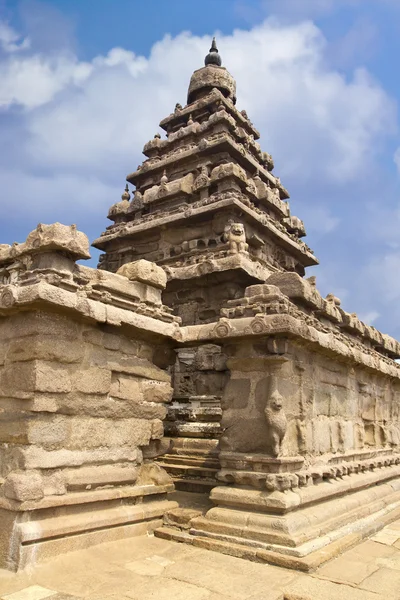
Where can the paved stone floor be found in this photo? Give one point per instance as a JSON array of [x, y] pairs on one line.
[[147, 568]]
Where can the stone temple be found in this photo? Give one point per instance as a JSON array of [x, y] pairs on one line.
[[196, 357]]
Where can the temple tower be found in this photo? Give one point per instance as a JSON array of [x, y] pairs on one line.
[[207, 207], [209, 210]]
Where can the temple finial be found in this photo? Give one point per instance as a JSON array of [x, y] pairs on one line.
[[126, 195], [213, 58]]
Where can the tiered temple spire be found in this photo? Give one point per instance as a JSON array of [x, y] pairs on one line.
[[208, 173]]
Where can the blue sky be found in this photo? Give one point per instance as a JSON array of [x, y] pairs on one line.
[[84, 84]]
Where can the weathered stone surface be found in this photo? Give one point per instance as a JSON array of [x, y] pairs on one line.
[[24, 486], [76, 369], [145, 272], [92, 381], [156, 391], [125, 387]]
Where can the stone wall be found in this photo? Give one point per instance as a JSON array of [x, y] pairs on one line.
[[82, 399], [310, 445]]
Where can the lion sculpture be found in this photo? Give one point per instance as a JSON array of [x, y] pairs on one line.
[[236, 238]]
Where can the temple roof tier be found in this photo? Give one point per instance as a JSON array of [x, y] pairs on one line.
[[214, 124], [146, 175], [190, 212], [203, 105]]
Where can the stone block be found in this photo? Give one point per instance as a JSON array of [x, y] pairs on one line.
[[92, 380], [91, 433], [310, 588], [32, 457], [3, 351], [16, 378], [100, 405], [57, 237], [94, 476], [49, 348], [51, 378], [23, 486], [157, 429], [321, 435], [261, 290], [125, 387], [48, 431], [13, 430], [156, 391], [209, 357], [209, 383], [39, 323], [157, 448], [54, 483], [236, 394], [145, 272], [34, 376], [111, 341], [153, 474], [297, 288]]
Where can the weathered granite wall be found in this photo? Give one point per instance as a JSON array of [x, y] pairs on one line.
[[310, 442], [82, 398]]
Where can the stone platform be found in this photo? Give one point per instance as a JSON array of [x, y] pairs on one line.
[[145, 568]]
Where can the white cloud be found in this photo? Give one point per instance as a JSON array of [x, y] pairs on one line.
[[104, 111], [32, 81], [10, 40], [77, 127], [383, 273], [319, 220], [370, 317]]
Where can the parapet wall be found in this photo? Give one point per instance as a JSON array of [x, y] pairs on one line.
[[83, 388]]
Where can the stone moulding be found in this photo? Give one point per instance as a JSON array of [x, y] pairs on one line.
[[337, 476], [211, 147], [286, 325]]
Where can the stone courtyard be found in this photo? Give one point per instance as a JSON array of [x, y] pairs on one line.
[[148, 568], [193, 418]]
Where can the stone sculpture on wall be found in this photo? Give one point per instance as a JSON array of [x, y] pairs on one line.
[[276, 419], [236, 237]]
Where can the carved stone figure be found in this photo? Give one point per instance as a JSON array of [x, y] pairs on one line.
[[236, 238], [202, 180], [276, 419]]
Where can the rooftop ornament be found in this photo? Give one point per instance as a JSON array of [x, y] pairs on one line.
[[213, 58]]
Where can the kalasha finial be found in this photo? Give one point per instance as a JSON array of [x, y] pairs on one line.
[[126, 195], [164, 178], [213, 58]]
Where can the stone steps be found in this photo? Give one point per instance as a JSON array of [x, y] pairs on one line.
[[189, 471], [195, 461], [191, 478], [198, 486]]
